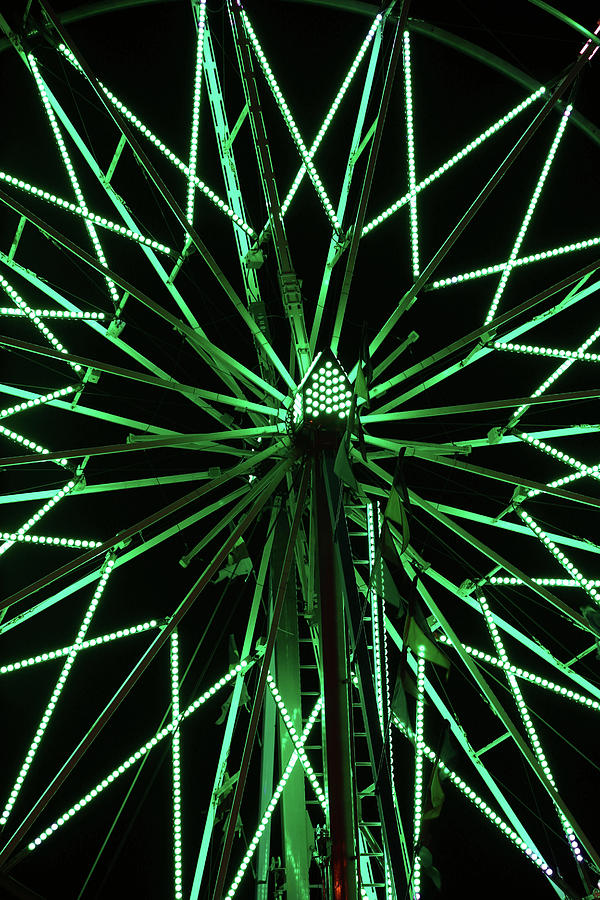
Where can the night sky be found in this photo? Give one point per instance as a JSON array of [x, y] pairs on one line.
[[146, 56]]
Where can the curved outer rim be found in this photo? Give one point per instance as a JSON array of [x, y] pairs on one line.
[[101, 7]]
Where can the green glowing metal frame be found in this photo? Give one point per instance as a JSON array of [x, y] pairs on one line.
[[289, 380]]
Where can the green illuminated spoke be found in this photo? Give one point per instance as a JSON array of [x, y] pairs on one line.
[[524, 674], [242, 666], [487, 811], [582, 469], [38, 401], [191, 192], [532, 350], [331, 112], [172, 157], [72, 176], [520, 261], [73, 543], [59, 495], [419, 746], [298, 745], [410, 148], [549, 381], [528, 215], [84, 213], [176, 753], [445, 167], [52, 313], [33, 317], [558, 554], [526, 719], [272, 803], [62, 679], [289, 121], [85, 645]]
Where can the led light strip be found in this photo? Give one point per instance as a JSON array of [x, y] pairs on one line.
[[172, 157], [557, 553], [521, 261], [547, 351], [588, 702], [51, 313], [272, 804], [332, 111], [528, 215], [31, 314], [38, 401], [582, 469], [310, 772], [289, 120], [176, 753], [72, 176], [137, 756], [548, 382], [84, 213], [487, 811], [48, 505], [445, 167], [191, 191], [85, 645], [527, 722], [58, 688], [419, 752], [20, 538], [374, 613], [548, 582], [410, 150]]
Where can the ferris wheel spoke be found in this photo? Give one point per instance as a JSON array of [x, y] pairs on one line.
[[498, 268], [242, 468], [336, 246], [506, 271], [410, 147], [199, 10], [453, 160], [502, 715]]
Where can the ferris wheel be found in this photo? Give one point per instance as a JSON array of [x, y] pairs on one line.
[[300, 578]]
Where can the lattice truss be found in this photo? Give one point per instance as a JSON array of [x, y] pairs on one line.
[[183, 283]]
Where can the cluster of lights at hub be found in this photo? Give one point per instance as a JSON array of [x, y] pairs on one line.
[[272, 804], [481, 805], [526, 719], [289, 120], [172, 157], [191, 193], [298, 745], [72, 176], [75, 543], [37, 321], [521, 261], [139, 754], [419, 752], [51, 313], [176, 751], [332, 111], [453, 160], [326, 392], [558, 554], [528, 215], [38, 401], [60, 494], [410, 149], [85, 645], [547, 582], [542, 682], [549, 381], [58, 689], [84, 213]]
